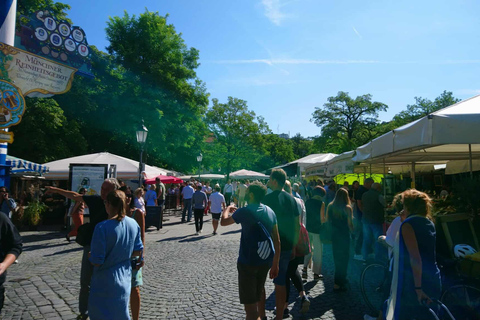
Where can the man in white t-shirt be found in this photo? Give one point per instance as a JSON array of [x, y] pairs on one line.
[[216, 202], [241, 191], [228, 191]]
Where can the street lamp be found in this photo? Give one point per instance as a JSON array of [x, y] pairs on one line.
[[141, 138], [199, 159]]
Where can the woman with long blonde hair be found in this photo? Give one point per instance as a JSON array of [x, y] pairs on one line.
[[340, 215]]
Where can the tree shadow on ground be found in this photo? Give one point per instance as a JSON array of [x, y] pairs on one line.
[[36, 237], [64, 251], [43, 246]]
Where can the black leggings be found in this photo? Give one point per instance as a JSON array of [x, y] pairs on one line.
[[198, 218], [294, 275], [341, 252]]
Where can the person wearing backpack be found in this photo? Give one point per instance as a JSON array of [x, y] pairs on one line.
[[259, 249]]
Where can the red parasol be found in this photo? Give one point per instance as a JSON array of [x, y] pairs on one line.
[[164, 179]]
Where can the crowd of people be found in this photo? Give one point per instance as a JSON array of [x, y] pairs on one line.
[[298, 220], [283, 226]]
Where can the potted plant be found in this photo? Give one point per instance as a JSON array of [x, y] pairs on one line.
[[32, 214]]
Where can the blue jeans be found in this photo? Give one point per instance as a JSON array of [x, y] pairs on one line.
[[187, 205], [371, 232]]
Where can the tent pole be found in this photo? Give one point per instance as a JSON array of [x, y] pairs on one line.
[[412, 174], [370, 170], [384, 186], [470, 158]]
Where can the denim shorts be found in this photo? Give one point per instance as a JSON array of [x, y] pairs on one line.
[[281, 279]]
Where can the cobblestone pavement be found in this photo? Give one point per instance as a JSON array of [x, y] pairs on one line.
[[185, 277]]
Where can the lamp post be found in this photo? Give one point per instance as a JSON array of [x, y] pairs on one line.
[[199, 159], [141, 138]]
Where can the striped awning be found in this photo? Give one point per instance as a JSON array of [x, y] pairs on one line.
[[23, 166]]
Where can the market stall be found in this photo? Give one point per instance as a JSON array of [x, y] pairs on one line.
[[449, 134], [298, 167], [126, 169]]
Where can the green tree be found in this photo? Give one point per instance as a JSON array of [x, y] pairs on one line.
[[276, 151], [302, 147], [162, 85], [238, 133], [423, 107], [45, 134], [27, 7], [346, 123]]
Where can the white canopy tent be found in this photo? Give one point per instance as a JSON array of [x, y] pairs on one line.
[[344, 164], [127, 169], [298, 167], [206, 176], [452, 133], [247, 174]]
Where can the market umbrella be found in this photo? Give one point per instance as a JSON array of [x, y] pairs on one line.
[[247, 174], [164, 179]]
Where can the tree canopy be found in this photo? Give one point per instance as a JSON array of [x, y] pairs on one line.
[[347, 122]]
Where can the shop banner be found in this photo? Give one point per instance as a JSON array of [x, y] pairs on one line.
[[12, 106], [33, 74], [43, 34]]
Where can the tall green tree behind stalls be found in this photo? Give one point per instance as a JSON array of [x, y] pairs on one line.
[[347, 123], [423, 107], [237, 133], [150, 49]]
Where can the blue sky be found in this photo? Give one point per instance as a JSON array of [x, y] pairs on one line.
[[286, 57]]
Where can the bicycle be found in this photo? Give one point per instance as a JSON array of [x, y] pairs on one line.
[[461, 293], [375, 283]]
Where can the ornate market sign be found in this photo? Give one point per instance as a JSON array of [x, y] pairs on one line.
[[12, 106], [45, 35], [33, 74]]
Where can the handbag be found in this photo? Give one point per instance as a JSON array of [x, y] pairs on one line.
[[303, 245], [85, 234]]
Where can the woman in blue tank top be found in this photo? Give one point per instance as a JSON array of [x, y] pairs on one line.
[[416, 277]]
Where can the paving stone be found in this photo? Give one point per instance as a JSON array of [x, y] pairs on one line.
[[185, 277]]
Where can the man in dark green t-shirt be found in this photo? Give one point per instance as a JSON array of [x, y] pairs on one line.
[[286, 210]]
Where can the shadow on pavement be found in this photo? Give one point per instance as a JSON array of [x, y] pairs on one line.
[[41, 246], [78, 248], [231, 232], [36, 237], [173, 238], [198, 238]]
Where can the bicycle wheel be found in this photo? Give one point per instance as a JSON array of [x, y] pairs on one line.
[[372, 285], [463, 301]]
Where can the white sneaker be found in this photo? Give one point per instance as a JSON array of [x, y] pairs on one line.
[[358, 257], [367, 317], [200, 231], [196, 233]]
